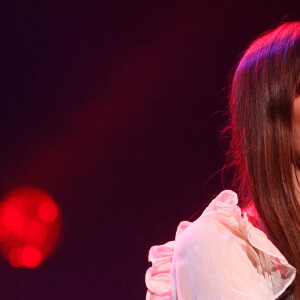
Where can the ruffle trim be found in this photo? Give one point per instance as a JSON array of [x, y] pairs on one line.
[[158, 276], [225, 206]]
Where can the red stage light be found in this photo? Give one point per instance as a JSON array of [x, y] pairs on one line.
[[48, 211], [31, 257], [29, 226], [14, 257]]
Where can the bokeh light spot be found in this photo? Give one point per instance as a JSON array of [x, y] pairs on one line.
[[48, 211], [15, 258], [12, 218], [31, 257], [36, 232], [30, 226]]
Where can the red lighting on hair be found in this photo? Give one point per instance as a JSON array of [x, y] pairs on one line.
[[29, 226]]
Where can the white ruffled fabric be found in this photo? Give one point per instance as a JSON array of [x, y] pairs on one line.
[[221, 255]]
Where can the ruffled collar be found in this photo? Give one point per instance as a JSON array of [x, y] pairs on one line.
[[273, 261], [225, 207]]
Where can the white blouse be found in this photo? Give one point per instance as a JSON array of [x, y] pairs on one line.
[[219, 256]]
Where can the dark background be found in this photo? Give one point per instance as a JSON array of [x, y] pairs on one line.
[[114, 108]]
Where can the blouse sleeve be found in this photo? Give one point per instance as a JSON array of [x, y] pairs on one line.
[[211, 263]]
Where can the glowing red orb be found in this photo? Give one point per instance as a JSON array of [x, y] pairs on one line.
[[30, 226]]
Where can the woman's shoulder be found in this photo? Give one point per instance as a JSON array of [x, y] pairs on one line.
[[220, 222], [223, 243], [222, 215]]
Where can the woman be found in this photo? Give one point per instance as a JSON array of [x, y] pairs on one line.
[[247, 246]]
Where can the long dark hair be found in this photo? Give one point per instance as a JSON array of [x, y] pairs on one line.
[[262, 152]]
